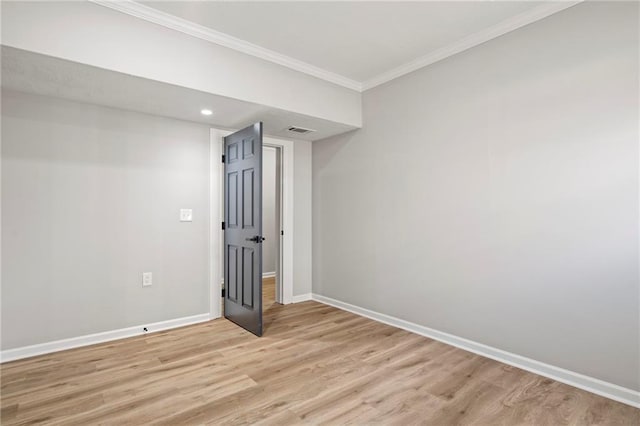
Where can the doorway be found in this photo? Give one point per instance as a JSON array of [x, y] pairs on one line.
[[271, 227], [282, 282]]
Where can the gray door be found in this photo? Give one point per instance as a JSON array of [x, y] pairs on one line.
[[243, 228]]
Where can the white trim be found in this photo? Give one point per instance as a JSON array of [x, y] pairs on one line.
[[167, 20], [472, 40], [215, 219], [302, 297], [195, 30], [280, 225], [590, 384], [92, 339]]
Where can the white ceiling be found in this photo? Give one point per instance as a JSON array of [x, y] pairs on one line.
[[357, 40], [38, 74]]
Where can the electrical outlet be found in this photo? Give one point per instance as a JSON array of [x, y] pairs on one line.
[[147, 279], [186, 215]]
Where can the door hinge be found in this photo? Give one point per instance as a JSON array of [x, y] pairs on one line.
[[281, 232], [223, 158], [223, 226]]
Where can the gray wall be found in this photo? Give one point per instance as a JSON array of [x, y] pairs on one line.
[[269, 223], [90, 200], [302, 218], [494, 195]]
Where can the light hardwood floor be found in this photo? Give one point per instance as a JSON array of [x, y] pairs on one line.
[[314, 365], [268, 292]]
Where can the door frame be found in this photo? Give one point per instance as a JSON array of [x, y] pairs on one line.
[[216, 209], [278, 218]]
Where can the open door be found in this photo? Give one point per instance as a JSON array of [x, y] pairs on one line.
[[243, 228]]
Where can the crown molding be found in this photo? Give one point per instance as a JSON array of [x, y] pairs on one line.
[[131, 7], [150, 14], [472, 40]]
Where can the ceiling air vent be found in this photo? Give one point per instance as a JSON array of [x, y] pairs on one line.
[[300, 130]]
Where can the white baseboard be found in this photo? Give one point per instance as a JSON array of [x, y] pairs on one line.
[[301, 298], [590, 384], [92, 339]]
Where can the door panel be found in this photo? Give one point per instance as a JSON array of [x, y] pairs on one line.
[[232, 200], [232, 264], [243, 228], [248, 196]]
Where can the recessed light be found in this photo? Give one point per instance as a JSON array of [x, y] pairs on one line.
[[206, 112]]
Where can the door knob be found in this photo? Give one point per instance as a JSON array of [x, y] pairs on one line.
[[257, 239]]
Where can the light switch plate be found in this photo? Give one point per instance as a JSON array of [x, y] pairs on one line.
[[147, 279], [186, 215]]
